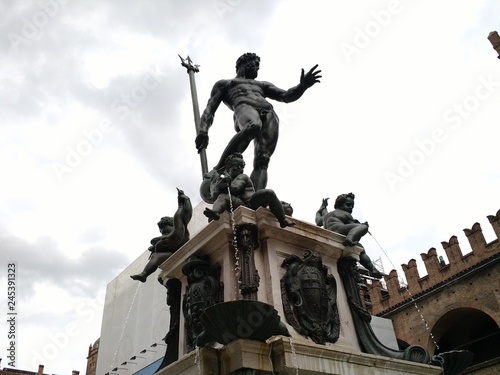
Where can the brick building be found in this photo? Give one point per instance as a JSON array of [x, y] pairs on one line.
[[456, 306], [15, 371], [92, 358]]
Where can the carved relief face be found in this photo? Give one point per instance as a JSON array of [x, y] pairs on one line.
[[199, 272], [245, 236]]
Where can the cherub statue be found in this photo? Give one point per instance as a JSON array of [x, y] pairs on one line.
[[341, 221], [174, 234], [242, 193]]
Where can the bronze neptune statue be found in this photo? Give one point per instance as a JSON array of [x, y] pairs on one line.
[[254, 117]]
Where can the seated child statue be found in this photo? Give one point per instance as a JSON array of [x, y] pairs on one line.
[[174, 234], [234, 188], [341, 221]]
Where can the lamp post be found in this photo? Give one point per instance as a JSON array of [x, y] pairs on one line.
[[191, 69]]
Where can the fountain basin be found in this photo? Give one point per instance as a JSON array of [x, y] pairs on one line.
[[243, 319]]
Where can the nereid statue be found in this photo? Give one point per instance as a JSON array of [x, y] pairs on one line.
[[341, 221], [254, 117], [203, 290], [247, 240], [172, 336], [174, 234]]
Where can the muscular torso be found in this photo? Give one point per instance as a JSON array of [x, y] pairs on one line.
[[241, 92]]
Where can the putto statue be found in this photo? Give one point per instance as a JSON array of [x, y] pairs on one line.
[[242, 193], [174, 234], [341, 221], [254, 117]]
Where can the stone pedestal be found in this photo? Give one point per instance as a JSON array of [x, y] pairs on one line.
[[282, 356], [278, 354]]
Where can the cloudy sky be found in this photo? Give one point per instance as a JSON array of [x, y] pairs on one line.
[[97, 132]]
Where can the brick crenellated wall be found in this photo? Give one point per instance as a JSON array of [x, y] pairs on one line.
[[424, 311], [438, 273]]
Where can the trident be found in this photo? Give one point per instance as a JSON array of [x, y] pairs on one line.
[[191, 69]]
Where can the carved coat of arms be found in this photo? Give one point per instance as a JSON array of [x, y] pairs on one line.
[[309, 297]]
